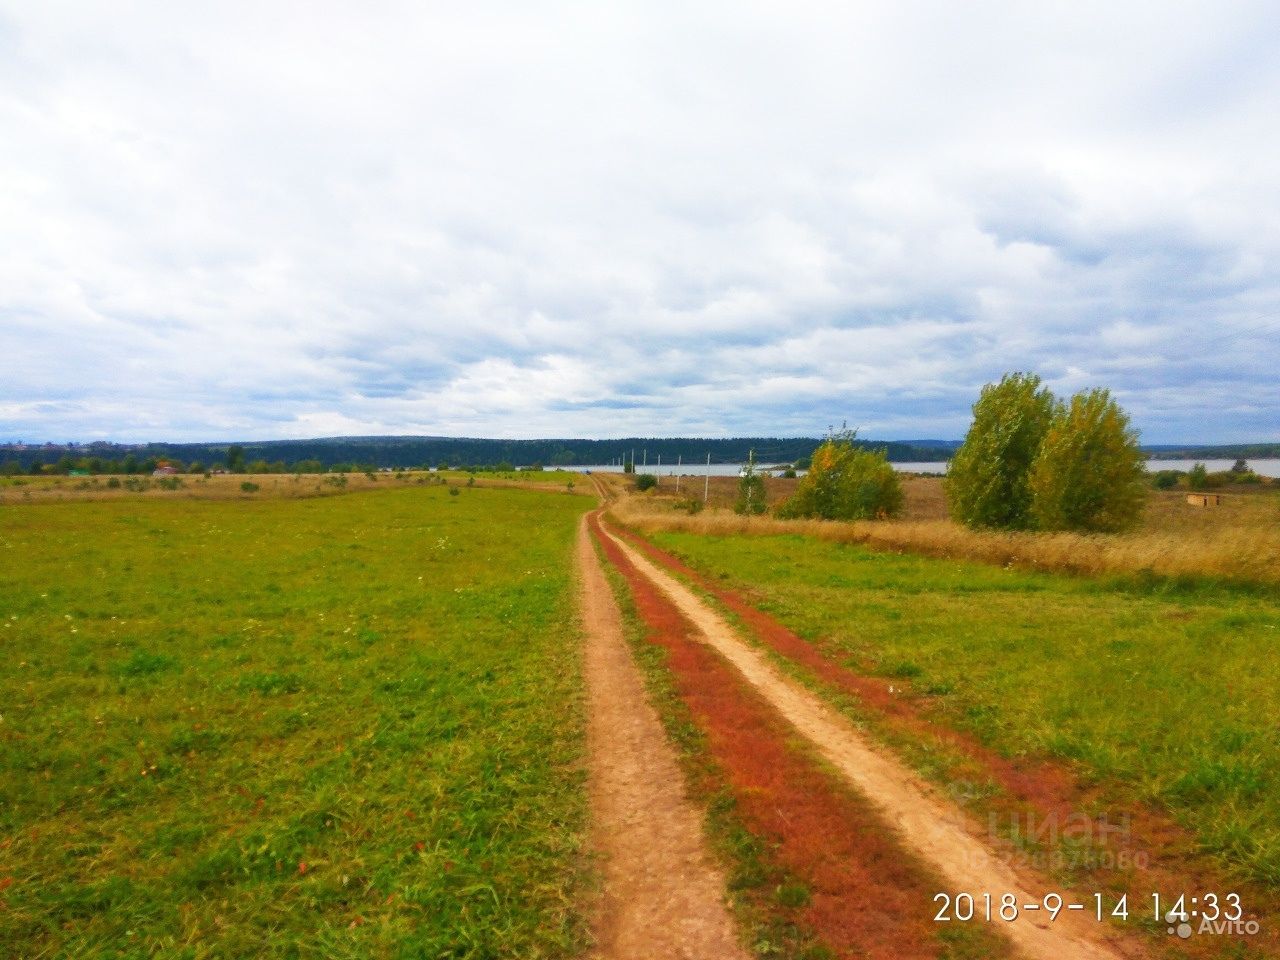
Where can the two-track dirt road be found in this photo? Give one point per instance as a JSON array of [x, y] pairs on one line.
[[633, 758], [926, 823]]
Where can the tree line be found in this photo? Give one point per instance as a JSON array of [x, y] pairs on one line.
[[414, 452]]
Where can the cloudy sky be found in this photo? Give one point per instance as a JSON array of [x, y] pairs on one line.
[[271, 220]]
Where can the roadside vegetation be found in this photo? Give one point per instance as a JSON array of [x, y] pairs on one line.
[[1237, 542], [347, 727]]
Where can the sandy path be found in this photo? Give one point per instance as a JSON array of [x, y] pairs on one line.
[[928, 824], [662, 896]]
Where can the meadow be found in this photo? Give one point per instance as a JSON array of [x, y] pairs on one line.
[[241, 486], [1155, 694], [268, 726]]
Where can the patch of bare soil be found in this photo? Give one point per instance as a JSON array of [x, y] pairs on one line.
[[662, 895]]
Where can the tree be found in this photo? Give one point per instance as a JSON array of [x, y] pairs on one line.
[[1198, 477], [235, 458], [845, 482], [1089, 473], [1241, 466], [987, 480], [751, 492]]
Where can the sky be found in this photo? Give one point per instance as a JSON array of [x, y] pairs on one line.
[[278, 220]]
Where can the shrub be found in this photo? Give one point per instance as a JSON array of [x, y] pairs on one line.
[[987, 481], [646, 481], [1089, 473], [845, 482], [751, 492], [1198, 477], [1165, 479], [453, 491], [691, 505], [114, 483], [249, 486]]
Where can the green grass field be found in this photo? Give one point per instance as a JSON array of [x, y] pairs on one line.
[[339, 727], [1158, 695]]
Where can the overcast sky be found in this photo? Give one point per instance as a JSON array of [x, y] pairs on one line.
[[271, 220]]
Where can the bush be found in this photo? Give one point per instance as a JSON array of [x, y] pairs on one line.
[[646, 481], [845, 482], [987, 481], [113, 483], [249, 487], [453, 491], [691, 505], [1089, 473], [1165, 479], [1198, 477], [751, 493]]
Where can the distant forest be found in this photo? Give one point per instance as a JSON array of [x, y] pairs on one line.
[[363, 452], [360, 453]]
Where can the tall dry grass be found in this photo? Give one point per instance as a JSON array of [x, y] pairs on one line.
[[1244, 548]]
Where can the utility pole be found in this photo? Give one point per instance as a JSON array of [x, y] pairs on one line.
[[706, 486], [659, 471], [679, 463], [646, 458]]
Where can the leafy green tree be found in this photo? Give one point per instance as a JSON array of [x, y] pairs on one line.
[[1089, 473], [1198, 477], [235, 458], [11, 468], [1166, 479], [751, 491], [846, 482], [987, 480]]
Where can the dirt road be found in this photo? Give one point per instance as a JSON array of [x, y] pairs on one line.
[[926, 823], [662, 896]]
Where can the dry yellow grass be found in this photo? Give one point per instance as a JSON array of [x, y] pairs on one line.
[[1239, 541]]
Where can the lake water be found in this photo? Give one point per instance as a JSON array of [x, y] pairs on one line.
[[1260, 466]]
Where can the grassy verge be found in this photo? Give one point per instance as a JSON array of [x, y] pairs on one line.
[[341, 727], [1162, 696]]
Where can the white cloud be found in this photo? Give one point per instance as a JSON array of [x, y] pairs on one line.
[[276, 219]]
